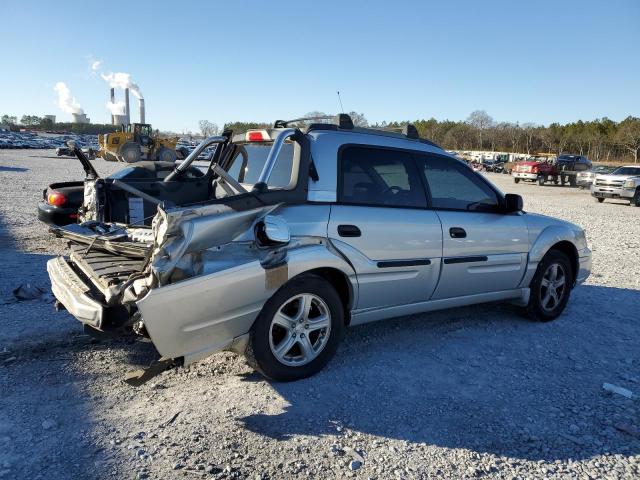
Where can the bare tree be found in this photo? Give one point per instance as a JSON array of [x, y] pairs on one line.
[[481, 121], [358, 119], [529, 130], [628, 136], [208, 128]]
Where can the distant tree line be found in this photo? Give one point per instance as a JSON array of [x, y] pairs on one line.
[[601, 140], [33, 122]]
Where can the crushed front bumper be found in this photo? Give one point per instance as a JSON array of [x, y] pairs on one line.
[[72, 292]]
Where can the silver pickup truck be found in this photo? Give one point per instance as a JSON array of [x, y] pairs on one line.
[[623, 183], [301, 232]]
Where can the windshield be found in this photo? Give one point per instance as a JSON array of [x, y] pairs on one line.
[[627, 171], [250, 159]]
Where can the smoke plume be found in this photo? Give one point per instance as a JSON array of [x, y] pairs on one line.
[[116, 108], [122, 80], [96, 65], [66, 102]]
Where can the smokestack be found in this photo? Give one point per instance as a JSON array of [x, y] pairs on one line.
[[113, 100], [141, 108], [126, 106]]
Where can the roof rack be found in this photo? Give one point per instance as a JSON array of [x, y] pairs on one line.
[[343, 121]]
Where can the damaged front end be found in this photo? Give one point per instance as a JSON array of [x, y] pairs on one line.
[[195, 280]]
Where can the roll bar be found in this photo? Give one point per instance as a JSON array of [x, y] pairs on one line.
[[193, 155], [273, 154]]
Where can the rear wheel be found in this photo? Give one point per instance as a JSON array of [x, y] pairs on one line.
[[600, 199], [550, 287], [541, 180], [516, 180], [297, 331], [130, 152]]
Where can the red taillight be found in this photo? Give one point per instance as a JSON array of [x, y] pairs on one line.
[[56, 198], [257, 136]]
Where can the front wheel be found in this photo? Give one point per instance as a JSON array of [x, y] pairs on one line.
[[541, 180], [636, 198], [516, 180], [550, 287], [297, 331], [600, 199]]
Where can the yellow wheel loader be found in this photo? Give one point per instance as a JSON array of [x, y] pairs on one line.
[[136, 142]]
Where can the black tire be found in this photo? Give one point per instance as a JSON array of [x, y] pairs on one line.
[[259, 354], [516, 180], [537, 309], [541, 180], [635, 201], [167, 155], [562, 180], [600, 199], [130, 153], [572, 181]]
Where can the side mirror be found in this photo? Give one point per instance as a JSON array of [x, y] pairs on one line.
[[272, 230], [512, 203]]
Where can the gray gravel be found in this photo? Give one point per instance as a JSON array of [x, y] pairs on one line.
[[466, 393]]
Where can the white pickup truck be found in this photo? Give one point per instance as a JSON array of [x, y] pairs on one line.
[[623, 183]]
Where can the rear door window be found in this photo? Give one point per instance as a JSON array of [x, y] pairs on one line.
[[379, 177]]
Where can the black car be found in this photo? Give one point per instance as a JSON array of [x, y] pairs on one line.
[[61, 201]]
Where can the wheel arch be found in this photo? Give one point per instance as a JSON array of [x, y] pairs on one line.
[[570, 250], [556, 237], [343, 286]]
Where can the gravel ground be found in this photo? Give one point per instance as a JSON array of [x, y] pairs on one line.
[[466, 393]]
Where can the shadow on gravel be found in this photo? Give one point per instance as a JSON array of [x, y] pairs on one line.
[[47, 414], [480, 378]]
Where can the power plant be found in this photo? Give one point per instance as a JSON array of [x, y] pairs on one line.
[[79, 118], [125, 117]]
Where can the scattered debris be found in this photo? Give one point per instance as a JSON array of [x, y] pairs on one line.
[[630, 429], [49, 424], [171, 420], [571, 438], [609, 387], [354, 454], [139, 377], [355, 465], [27, 291]]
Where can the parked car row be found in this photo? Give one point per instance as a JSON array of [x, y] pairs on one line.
[[15, 140]]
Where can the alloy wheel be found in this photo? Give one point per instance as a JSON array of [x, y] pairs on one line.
[[300, 329], [553, 287]]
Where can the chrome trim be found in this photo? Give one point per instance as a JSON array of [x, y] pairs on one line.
[[273, 154]]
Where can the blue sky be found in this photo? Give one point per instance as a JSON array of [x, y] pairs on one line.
[[540, 61]]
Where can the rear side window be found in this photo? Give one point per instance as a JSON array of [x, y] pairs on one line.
[[453, 186], [250, 160], [379, 177]]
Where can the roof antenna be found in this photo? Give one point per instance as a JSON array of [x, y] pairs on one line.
[[341, 107]]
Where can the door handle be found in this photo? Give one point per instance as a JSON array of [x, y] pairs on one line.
[[457, 232], [349, 231]]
